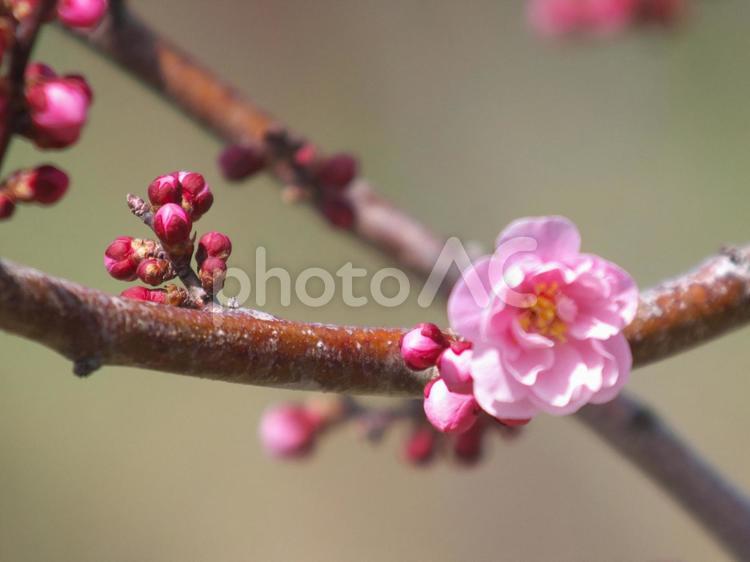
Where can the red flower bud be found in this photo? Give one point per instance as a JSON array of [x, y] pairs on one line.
[[419, 448], [338, 212], [154, 271], [165, 189], [196, 194], [664, 12], [48, 184], [7, 206], [213, 245], [37, 71], [172, 224], [119, 259], [513, 423], [238, 162], [143, 294], [337, 172], [212, 274]]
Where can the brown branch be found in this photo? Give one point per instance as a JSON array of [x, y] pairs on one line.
[[254, 348], [25, 35], [92, 328]]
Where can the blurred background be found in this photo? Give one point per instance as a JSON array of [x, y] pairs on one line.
[[464, 117]]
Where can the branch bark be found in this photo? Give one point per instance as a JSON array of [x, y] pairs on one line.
[[254, 348]]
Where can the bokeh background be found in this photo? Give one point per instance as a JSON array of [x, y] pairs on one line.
[[466, 119]]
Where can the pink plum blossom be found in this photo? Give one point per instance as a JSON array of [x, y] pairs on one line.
[[545, 322]]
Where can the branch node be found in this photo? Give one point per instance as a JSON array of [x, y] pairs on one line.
[[85, 366]]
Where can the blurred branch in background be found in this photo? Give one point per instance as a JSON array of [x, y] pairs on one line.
[[672, 318], [25, 35]]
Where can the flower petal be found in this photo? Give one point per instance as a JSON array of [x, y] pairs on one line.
[[575, 375], [497, 393], [618, 361], [469, 299], [557, 238]]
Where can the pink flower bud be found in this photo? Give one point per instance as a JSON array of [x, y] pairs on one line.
[[288, 431], [155, 271], [165, 189], [143, 294], [196, 194], [172, 224], [7, 206], [338, 211], [449, 412], [119, 259], [213, 245], [238, 162], [422, 345], [337, 172], [81, 13], [454, 365], [58, 108], [419, 448], [557, 17], [212, 274], [45, 184]]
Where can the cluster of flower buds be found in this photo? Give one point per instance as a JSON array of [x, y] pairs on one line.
[[449, 402], [57, 106], [308, 175], [600, 17], [176, 201], [76, 14], [424, 444], [291, 430], [43, 185]]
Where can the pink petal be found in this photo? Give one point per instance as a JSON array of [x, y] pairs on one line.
[[497, 393], [468, 299], [575, 375], [618, 361], [557, 238]]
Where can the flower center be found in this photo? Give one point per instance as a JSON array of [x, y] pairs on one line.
[[541, 316]]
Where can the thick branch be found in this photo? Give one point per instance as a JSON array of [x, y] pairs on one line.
[[251, 348], [92, 328]]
